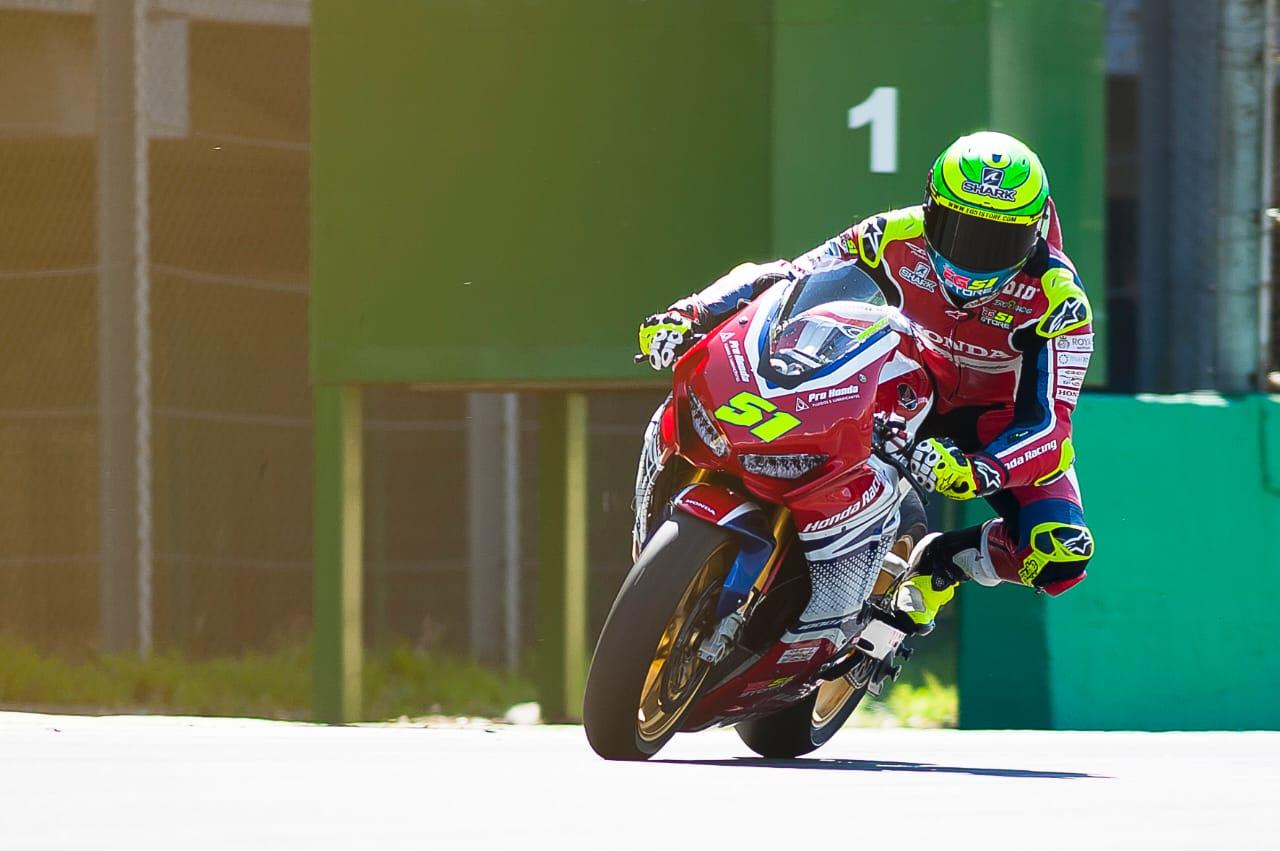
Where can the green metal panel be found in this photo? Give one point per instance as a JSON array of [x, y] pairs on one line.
[[829, 57], [961, 66], [1173, 628], [1002, 672], [561, 168], [1047, 85], [502, 189]]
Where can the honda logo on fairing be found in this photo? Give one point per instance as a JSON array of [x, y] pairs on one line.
[[868, 497], [961, 346]]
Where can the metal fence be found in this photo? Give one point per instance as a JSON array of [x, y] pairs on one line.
[[155, 413], [154, 407]]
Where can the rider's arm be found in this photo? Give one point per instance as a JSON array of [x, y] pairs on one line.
[[717, 302], [1036, 447], [723, 298], [842, 246], [665, 336]]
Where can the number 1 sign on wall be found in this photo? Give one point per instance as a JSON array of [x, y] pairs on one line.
[[880, 110]]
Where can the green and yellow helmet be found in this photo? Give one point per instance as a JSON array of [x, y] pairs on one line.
[[986, 195]]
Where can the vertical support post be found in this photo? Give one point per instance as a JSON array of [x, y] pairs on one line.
[[338, 554], [1243, 68], [485, 479], [511, 525], [1267, 225], [562, 575], [1155, 193], [1205, 156], [123, 325]]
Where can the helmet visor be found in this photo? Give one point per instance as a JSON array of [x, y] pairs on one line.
[[981, 245]]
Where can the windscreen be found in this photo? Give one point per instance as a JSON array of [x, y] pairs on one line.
[[828, 284], [822, 322]]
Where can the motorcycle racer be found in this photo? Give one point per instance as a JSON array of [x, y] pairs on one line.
[[1005, 333]]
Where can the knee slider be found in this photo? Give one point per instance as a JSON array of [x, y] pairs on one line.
[[1059, 554]]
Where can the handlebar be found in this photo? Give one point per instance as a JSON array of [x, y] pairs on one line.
[[879, 432]]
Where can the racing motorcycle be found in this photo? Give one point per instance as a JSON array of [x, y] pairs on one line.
[[774, 516]]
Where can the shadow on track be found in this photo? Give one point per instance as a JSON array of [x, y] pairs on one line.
[[876, 765]]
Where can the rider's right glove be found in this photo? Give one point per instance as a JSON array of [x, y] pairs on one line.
[[666, 336], [939, 465]]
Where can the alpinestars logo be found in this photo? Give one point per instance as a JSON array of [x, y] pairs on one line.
[[986, 476], [872, 233], [1080, 543], [1070, 312]]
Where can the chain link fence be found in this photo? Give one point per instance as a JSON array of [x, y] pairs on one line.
[[48, 372], [224, 456], [225, 185]]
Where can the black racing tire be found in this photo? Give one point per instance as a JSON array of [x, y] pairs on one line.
[[797, 729], [675, 560]]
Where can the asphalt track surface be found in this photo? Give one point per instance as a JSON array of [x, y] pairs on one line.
[[182, 783]]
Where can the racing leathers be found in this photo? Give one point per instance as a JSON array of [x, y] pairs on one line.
[[1007, 374]]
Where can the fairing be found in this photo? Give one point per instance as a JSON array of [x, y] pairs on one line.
[[849, 357]]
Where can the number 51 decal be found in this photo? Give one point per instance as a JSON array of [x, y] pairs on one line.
[[749, 410]]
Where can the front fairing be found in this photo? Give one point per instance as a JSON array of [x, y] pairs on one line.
[[819, 398], [825, 408]]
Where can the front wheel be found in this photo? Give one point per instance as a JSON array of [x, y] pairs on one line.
[[646, 672], [807, 725]]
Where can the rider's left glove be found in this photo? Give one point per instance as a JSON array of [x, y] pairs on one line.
[[665, 336], [939, 465]]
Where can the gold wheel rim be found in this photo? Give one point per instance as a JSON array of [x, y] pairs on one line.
[[832, 696], [653, 719]]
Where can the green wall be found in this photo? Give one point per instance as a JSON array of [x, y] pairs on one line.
[[1175, 628], [502, 188]]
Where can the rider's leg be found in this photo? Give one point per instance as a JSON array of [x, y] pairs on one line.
[[1040, 539], [934, 574], [1048, 547]]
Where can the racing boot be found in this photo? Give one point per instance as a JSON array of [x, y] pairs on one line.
[[933, 578]]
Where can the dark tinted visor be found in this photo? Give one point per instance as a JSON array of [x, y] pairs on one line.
[[978, 245]]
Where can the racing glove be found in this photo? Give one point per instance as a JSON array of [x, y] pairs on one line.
[[666, 336], [939, 465]]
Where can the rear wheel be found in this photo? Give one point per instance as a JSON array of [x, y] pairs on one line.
[[807, 725], [646, 673]]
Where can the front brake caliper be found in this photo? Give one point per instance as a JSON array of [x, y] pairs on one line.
[[717, 644]]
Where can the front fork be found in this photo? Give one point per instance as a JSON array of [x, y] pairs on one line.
[[763, 534]]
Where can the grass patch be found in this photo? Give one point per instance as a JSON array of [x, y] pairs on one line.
[[398, 681], [931, 703]]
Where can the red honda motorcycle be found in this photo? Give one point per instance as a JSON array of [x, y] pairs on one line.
[[774, 516]]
